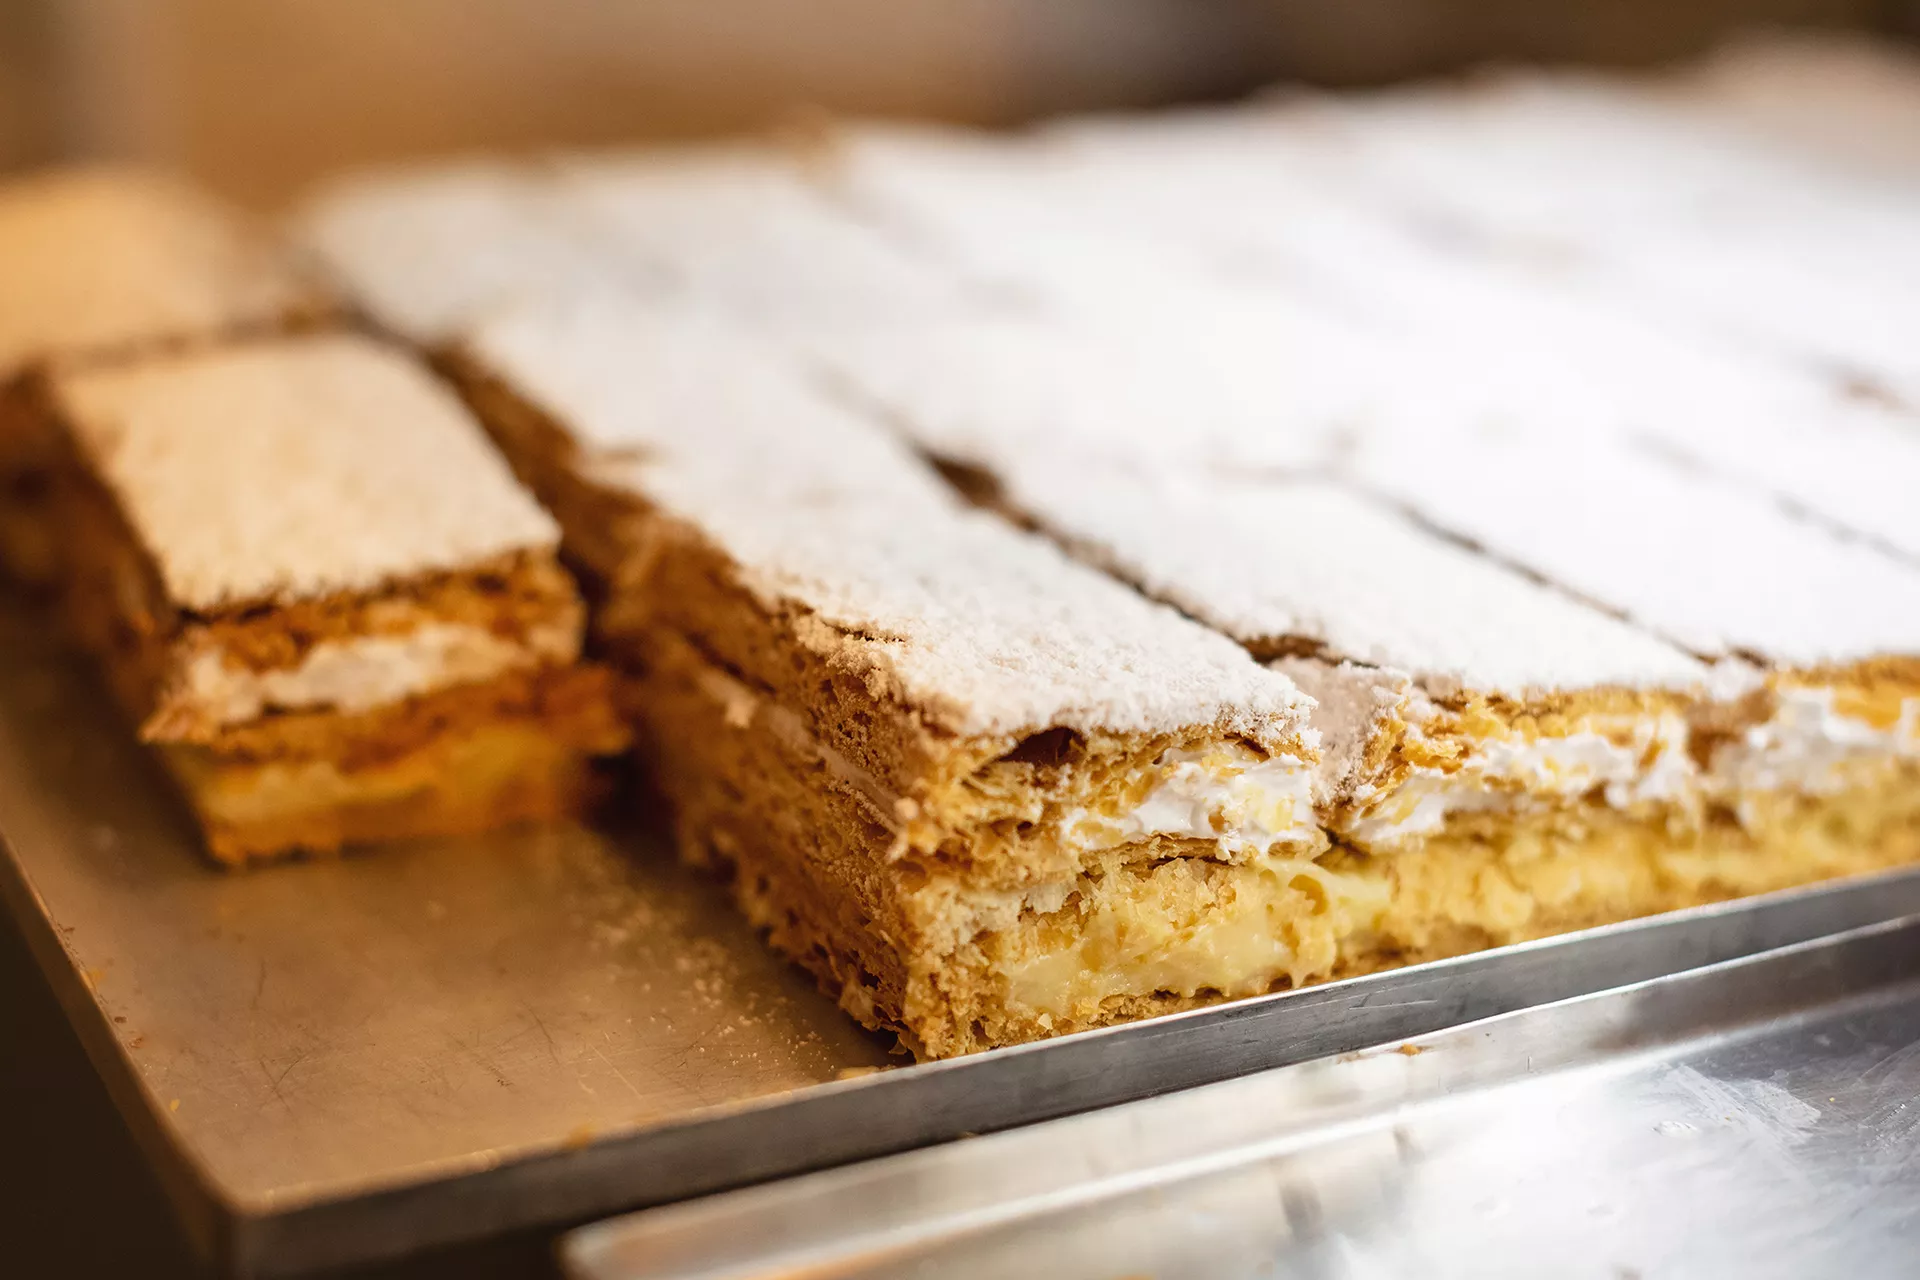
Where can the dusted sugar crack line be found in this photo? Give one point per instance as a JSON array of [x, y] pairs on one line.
[[1560, 769], [967, 389], [1681, 214], [322, 596], [1364, 311]]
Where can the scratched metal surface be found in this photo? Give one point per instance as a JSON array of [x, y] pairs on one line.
[[1755, 1119], [316, 1030]]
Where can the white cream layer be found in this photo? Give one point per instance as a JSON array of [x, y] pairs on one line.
[[1245, 803], [1806, 747], [1809, 747], [364, 672], [1644, 761]]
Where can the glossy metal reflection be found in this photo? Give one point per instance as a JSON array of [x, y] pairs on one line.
[[1753, 1119]]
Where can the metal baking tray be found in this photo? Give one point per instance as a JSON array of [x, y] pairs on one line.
[[1755, 1118], [348, 1059]]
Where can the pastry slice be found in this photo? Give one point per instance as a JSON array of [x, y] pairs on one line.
[[740, 231], [736, 232], [1510, 758], [984, 793], [1822, 760], [425, 252], [1679, 214], [95, 265], [322, 596]]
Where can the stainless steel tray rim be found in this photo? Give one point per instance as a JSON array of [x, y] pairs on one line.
[[1048, 1169]]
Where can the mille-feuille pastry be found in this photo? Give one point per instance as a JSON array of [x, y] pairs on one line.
[[323, 596], [1623, 175], [741, 230], [1682, 214], [425, 252], [1578, 722], [1554, 359], [736, 231], [1641, 187], [1551, 350], [1515, 761], [1824, 762], [1000, 219], [1511, 760], [984, 793], [101, 263], [979, 385], [1551, 355]]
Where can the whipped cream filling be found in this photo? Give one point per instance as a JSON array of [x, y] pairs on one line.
[[1806, 747], [1509, 775], [1244, 803], [365, 672], [1809, 746]]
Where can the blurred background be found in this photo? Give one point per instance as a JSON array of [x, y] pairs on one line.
[[258, 97]]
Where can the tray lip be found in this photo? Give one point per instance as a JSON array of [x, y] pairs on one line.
[[1195, 1021], [287, 1231], [1873, 937], [1185, 1022]]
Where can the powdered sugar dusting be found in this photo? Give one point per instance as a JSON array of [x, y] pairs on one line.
[[1712, 568], [740, 231], [1277, 562], [980, 389], [686, 408], [994, 630], [984, 628], [428, 252], [734, 231], [1613, 330], [102, 258], [297, 467]]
